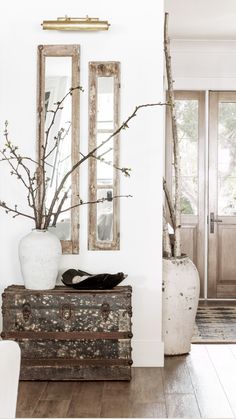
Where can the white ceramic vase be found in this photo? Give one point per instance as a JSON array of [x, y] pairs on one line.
[[39, 254], [181, 287]]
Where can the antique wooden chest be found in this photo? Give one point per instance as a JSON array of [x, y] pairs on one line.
[[66, 334]]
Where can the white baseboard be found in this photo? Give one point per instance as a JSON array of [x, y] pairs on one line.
[[148, 353]]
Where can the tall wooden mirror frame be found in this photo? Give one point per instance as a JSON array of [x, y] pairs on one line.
[[103, 69], [68, 246]]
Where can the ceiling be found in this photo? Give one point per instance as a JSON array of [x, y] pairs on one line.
[[202, 19]]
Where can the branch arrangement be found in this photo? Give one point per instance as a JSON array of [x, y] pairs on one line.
[[32, 173], [175, 208]]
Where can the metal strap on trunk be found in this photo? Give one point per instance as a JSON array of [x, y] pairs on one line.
[[65, 335]]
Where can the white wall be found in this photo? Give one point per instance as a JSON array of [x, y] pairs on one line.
[[204, 64], [134, 39], [201, 19]]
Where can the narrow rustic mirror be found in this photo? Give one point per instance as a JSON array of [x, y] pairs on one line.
[[104, 218], [58, 76]]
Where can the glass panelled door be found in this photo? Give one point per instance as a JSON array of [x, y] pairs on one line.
[[215, 178], [222, 195], [190, 110]]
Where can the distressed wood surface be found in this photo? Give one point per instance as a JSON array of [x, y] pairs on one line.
[[103, 69], [66, 311], [211, 395], [60, 289], [51, 319], [73, 51], [70, 335], [150, 393], [76, 373], [82, 394], [84, 349]]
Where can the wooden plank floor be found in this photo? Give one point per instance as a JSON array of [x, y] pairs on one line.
[[202, 384]]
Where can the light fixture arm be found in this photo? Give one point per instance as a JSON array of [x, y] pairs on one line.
[[76, 24]]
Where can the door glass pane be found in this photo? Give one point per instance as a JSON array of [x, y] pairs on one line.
[[227, 159], [187, 122]]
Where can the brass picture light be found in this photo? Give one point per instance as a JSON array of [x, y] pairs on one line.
[[76, 24]]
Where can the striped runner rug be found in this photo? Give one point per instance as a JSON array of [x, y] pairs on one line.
[[215, 324]]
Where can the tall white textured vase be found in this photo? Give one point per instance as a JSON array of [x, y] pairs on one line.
[[181, 287], [39, 254]]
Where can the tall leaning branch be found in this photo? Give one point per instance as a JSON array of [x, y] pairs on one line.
[[176, 151], [169, 203], [166, 237]]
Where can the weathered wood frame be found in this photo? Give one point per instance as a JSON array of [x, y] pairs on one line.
[[194, 225], [103, 69], [221, 242], [73, 51]]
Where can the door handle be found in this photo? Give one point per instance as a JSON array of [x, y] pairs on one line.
[[213, 220]]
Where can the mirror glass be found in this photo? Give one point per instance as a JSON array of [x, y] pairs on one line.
[[105, 103], [105, 216], [57, 84], [105, 168], [105, 127]]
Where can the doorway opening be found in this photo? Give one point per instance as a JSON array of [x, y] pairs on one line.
[[207, 133]]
